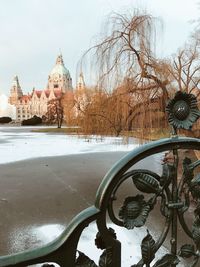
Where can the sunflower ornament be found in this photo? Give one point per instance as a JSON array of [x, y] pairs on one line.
[[183, 111]]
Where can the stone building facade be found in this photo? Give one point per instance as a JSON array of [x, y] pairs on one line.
[[35, 103]]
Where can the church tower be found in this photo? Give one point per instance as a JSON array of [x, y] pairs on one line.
[[15, 91], [80, 83], [59, 78]]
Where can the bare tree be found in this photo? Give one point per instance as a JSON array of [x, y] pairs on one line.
[[186, 68], [68, 103], [126, 51], [55, 111]]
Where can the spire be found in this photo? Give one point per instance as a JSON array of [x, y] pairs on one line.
[[59, 60], [15, 91], [15, 81], [81, 82]]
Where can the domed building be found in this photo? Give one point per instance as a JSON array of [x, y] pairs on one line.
[[35, 103], [59, 77]]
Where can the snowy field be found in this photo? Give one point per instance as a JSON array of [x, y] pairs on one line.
[[19, 143]]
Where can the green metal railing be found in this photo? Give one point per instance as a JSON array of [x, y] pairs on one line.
[[175, 191]]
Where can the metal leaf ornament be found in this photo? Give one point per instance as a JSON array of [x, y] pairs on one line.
[[134, 212], [106, 258], [187, 251], [167, 261], [168, 173], [187, 170], [194, 185], [84, 261], [148, 248], [99, 242], [183, 111], [146, 183]]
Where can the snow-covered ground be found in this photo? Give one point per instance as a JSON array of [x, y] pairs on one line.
[[19, 143]]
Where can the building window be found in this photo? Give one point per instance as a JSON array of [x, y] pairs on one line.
[[55, 86]]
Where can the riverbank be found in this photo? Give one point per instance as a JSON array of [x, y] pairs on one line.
[[63, 130], [142, 135]]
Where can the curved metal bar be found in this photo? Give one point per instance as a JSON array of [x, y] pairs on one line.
[[112, 177], [167, 224], [62, 250], [184, 225], [180, 213]]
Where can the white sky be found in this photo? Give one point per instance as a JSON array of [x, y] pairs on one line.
[[33, 31]]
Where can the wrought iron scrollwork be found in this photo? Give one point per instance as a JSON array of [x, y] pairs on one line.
[[175, 195]]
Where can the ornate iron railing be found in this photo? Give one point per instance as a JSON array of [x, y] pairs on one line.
[[174, 193]]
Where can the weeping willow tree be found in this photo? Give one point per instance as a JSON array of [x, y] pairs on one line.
[[125, 57], [126, 52]]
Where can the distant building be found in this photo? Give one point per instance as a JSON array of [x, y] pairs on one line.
[[35, 103], [6, 110], [80, 83]]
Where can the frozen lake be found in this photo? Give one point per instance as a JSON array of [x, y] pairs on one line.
[[19, 143]]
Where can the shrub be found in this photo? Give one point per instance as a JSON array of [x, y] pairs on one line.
[[32, 121], [5, 119]]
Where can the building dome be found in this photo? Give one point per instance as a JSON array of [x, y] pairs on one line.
[[59, 68], [59, 78]]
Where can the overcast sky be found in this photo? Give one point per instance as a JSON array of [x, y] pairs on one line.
[[33, 31]]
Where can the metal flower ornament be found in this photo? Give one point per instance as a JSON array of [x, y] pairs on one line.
[[183, 111], [134, 212]]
